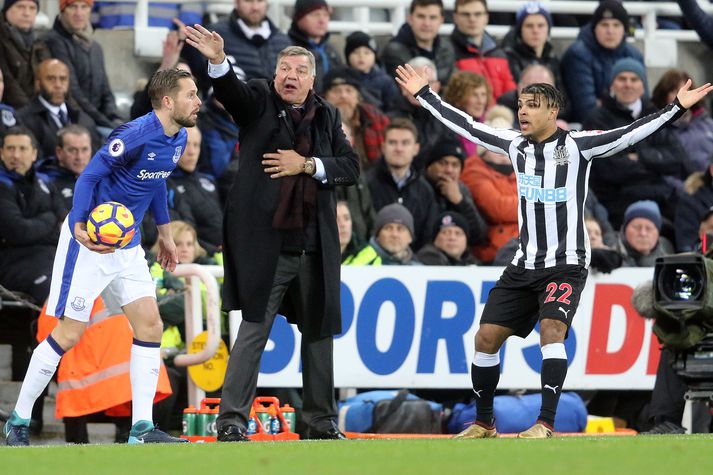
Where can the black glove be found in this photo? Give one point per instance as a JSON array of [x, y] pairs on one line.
[[606, 260]]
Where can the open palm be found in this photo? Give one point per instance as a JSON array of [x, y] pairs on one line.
[[409, 79], [209, 43], [688, 97]]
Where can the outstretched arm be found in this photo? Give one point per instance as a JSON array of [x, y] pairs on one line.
[[594, 144], [496, 140]]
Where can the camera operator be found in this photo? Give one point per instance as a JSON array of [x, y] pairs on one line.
[[667, 399]]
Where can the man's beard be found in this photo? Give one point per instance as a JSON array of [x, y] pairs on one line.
[[186, 121]]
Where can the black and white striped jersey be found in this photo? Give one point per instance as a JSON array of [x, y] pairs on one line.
[[552, 177]]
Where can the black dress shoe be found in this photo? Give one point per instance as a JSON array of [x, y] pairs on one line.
[[331, 434], [232, 433]]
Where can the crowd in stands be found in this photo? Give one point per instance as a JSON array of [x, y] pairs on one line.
[[426, 196]]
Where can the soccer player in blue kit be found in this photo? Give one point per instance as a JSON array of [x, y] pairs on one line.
[[130, 168]]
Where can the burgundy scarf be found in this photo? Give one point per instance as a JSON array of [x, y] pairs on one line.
[[298, 193]]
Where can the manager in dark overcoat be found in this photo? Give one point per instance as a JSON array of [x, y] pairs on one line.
[[281, 241]]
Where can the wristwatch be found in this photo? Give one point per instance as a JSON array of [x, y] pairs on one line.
[[309, 166]]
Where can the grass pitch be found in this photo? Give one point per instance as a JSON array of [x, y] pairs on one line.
[[642, 455]]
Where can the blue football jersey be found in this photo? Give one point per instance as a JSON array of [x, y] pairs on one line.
[[131, 168]]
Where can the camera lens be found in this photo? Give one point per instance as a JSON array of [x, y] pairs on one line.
[[683, 284]]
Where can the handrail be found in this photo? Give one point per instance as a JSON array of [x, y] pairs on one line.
[[194, 274], [194, 313]]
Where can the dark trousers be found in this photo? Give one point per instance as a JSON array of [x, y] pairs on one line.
[[667, 401], [295, 273]]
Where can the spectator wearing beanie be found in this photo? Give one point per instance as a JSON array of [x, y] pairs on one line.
[[528, 42], [587, 63], [391, 243], [653, 168], [343, 90], [310, 29], [443, 169], [20, 52], [71, 40], [639, 241], [360, 52], [450, 243], [394, 179]]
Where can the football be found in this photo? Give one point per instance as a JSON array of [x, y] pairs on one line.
[[111, 224]]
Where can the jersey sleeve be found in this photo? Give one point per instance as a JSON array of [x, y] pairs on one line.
[[159, 205], [596, 143], [495, 140], [115, 154]]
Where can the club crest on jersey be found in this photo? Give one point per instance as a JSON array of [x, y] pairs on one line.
[[8, 119], [561, 156], [78, 304], [177, 154], [116, 147]]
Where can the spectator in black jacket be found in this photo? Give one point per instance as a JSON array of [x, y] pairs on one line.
[[71, 41], [30, 218], [528, 42], [419, 37], [200, 194], [72, 154], [8, 117], [395, 180], [693, 207], [443, 168], [652, 169], [450, 243], [310, 30], [51, 109], [252, 42]]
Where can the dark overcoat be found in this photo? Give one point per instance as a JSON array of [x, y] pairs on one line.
[[251, 245]]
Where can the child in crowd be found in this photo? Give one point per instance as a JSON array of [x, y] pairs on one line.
[[360, 51]]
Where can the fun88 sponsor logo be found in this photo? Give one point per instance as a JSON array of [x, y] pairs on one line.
[[529, 187], [147, 175]]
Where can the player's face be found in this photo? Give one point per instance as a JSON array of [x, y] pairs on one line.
[[252, 12], [452, 241], [294, 79], [627, 87], [344, 224], [425, 22], [609, 33], [315, 24], [536, 119], [76, 152], [186, 103], [448, 166], [399, 148], [186, 247], [22, 14], [53, 81], [471, 19], [18, 154], [77, 15], [395, 238], [642, 235], [534, 31], [189, 159]]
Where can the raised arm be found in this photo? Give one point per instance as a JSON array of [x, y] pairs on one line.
[[235, 95], [594, 144], [496, 140]]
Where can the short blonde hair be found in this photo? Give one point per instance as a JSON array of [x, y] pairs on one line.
[[179, 227]]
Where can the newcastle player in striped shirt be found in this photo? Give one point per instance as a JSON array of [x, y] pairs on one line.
[[546, 277]]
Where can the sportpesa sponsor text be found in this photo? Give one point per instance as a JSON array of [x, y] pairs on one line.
[[147, 175]]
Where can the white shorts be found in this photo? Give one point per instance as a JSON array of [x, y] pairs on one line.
[[79, 276]]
